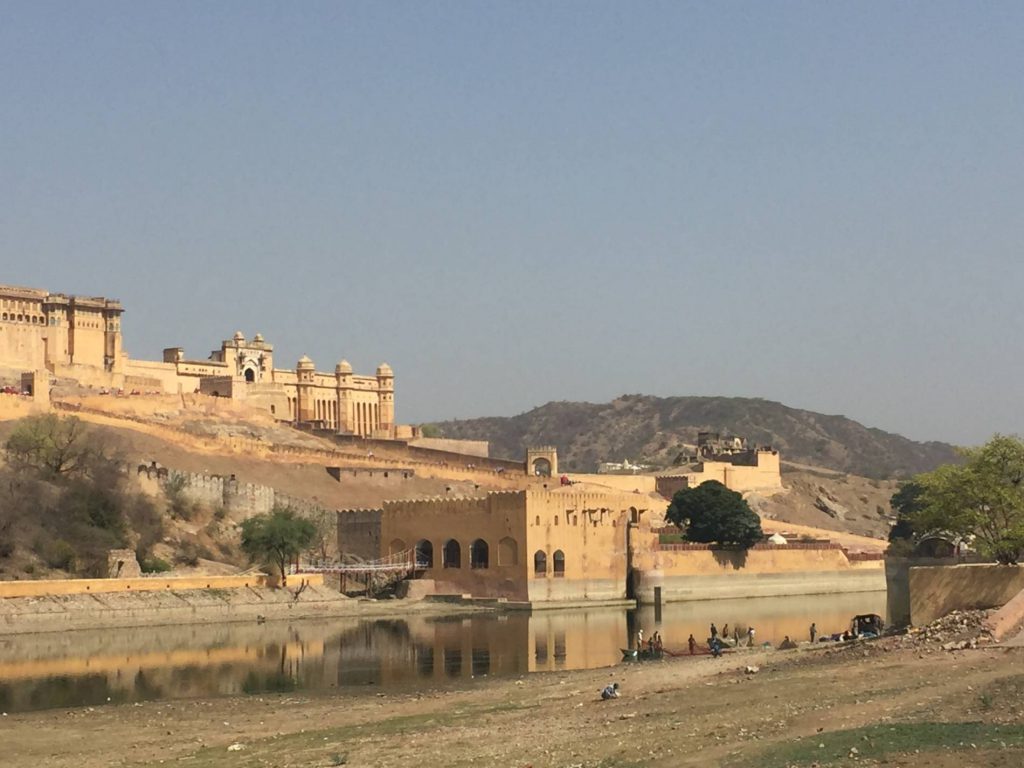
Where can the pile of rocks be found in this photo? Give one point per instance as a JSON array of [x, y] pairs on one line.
[[953, 632]]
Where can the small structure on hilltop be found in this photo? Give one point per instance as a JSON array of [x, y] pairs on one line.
[[730, 460]]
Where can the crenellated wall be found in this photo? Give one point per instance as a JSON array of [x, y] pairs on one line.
[[239, 498]]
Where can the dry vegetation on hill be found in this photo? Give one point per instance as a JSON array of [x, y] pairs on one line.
[[209, 436], [658, 430]]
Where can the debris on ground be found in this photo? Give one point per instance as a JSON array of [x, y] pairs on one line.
[[955, 631]]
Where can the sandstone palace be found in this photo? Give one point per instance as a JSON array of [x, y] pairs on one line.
[[79, 338]]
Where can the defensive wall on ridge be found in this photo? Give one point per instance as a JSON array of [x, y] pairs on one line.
[[243, 499]]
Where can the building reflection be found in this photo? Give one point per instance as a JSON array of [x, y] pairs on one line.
[[89, 667]]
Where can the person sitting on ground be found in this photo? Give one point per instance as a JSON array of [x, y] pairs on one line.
[[610, 692], [716, 647]]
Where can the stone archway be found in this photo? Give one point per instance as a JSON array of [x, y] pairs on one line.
[[541, 467]]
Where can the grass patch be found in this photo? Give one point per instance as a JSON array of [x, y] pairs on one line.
[[877, 741]]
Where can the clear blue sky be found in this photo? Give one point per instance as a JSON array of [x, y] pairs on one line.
[[512, 203]]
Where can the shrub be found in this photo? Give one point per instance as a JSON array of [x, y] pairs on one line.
[[154, 564], [60, 554], [188, 554]]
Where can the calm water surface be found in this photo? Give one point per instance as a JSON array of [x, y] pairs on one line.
[[71, 669]]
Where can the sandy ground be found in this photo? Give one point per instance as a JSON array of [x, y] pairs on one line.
[[872, 704]]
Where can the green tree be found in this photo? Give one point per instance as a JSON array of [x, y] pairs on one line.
[[276, 538], [711, 513], [981, 499], [906, 503]]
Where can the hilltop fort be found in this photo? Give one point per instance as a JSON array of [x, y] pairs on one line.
[[80, 338]]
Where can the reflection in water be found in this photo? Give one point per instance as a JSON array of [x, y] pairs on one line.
[[93, 667]]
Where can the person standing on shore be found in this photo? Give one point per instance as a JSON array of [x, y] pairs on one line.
[[814, 631], [750, 637], [714, 631], [692, 643]]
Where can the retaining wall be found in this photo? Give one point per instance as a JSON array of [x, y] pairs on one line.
[[938, 590], [59, 613], [686, 572], [55, 587]]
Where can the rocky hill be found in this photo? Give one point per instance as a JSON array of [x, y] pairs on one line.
[[658, 430]]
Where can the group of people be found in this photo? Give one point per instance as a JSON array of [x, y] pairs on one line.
[[653, 645], [750, 634]]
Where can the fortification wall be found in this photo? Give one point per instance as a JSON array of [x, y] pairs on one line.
[[238, 498], [938, 590], [621, 483], [478, 448], [697, 572], [22, 345]]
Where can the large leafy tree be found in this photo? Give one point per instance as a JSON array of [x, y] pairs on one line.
[[981, 499], [276, 538], [711, 513]]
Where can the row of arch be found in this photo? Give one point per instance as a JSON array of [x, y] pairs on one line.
[[33, 319], [451, 553], [480, 555]]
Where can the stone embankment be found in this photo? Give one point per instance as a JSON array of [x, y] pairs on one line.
[[57, 613]]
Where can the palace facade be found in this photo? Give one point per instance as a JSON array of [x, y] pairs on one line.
[[79, 338]]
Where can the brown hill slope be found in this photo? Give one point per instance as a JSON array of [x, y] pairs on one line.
[[657, 430]]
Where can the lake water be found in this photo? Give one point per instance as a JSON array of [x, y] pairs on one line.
[[70, 669]]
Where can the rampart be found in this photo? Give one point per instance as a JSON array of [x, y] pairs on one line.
[[701, 572], [478, 448], [217, 491]]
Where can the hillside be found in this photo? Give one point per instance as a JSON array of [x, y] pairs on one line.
[[657, 430]]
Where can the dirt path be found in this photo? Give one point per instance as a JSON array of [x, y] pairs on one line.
[[682, 712]]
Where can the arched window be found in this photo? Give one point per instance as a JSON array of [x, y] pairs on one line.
[[559, 559], [452, 554], [540, 563], [508, 551], [479, 554], [424, 554]]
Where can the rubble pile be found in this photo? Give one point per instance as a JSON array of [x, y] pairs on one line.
[[953, 632]]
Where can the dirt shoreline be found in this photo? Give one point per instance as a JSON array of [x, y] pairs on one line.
[[869, 704]]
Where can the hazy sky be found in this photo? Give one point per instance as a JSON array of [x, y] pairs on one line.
[[512, 203]]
